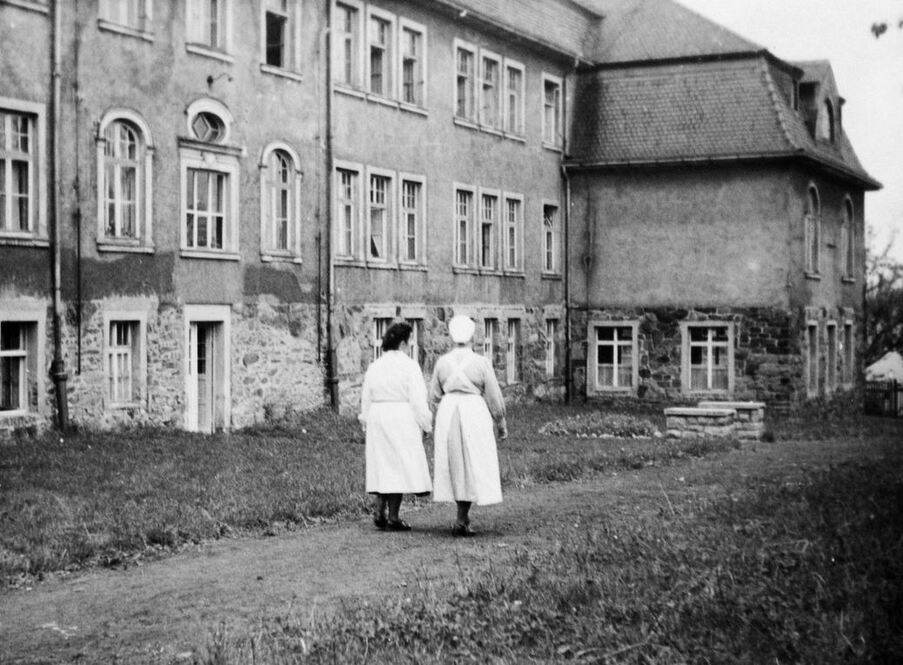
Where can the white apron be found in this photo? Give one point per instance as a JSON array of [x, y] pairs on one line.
[[466, 462]]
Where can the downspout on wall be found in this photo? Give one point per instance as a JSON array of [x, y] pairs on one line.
[[332, 380], [57, 366]]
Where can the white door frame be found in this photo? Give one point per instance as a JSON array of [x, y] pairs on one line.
[[222, 315]]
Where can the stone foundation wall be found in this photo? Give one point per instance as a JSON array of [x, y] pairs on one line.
[[354, 345], [769, 350]]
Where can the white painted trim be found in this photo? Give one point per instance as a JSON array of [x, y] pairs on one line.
[[459, 44], [556, 238], [35, 312], [558, 140], [390, 87], [518, 266], [192, 36], [292, 68], [407, 24], [357, 67], [685, 355], [128, 316], [472, 222], [484, 122], [38, 184], [521, 130], [221, 314], [391, 241], [210, 161], [267, 250], [421, 254], [592, 366], [357, 224], [217, 108], [497, 193]]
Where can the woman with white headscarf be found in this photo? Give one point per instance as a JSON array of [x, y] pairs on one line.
[[466, 465]]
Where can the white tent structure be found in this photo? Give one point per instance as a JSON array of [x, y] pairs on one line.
[[888, 368]]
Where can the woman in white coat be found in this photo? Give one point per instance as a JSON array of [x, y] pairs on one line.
[[394, 412], [466, 464]]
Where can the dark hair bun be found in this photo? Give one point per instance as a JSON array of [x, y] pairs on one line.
[[395, 335]]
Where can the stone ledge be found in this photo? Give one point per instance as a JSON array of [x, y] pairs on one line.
[[696, 412]]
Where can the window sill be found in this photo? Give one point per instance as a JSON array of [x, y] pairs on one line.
[[612, 390], [32, 6], [125, 247], [464, 270], [209, 52], [520, 138], [848, 280], [495, 131], [686, 392], [554, 147], [380, 265], [485, 129], [348, 262], [205, 254], [552, 276], [24, 241], [126, 30], [413, 108], [124, 406], [18, 413], [380, 99], [345, 89], [517, 274], [279, 71], [413, 267], [269, 257], [814, 276]]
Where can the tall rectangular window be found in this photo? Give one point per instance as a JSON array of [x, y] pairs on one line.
[[380, 49], [489, 204], [849, 353], [514, 224], [347, 44], [413, 63], [347, 212], [490, 91], [123, 362], [848, 242], [708, 357], [831, 359], [512, 362], [280, 224], [813, 232], [134, 14], [551, 116], [206, 208], [616, 356], [17, 172], [490, 330], [380, 214], [207, 23], [411, 219], [812, 359], [18, 366], [380, 326], [281, 19], [465, 90], [463, 225], [514, 98], [551, 348], [550, 239]]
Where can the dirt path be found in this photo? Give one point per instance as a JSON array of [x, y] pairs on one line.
[[160, 611]]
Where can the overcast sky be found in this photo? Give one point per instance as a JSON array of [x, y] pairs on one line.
[[869, 74]]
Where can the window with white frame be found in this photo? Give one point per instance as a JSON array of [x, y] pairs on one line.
[[464, 215], [209, 184], [551, 235], [280, 193], [848, 241], [22, 209], [380, 35], [412, 219], [848, 352], [281, 36], [490, 90], [489, 214], [465, 88], [812, 359], [380, 326], [490, 330], [513, 231], [347, 211], [135, 15], [209, 25], [813, 232], [124, 182], [824, 123], [551, 348], [379, 216], [551, 115], [124, 362], [512, 360], [514, 97], [831, 356], [347, 43], [19, 378], [615, 356], [707, 357], [413, 63]]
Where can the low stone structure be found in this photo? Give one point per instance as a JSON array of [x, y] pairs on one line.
[[744, 420]]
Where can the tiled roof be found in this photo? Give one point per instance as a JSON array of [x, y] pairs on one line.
[[564, 25], [634, 30], [695, 112]]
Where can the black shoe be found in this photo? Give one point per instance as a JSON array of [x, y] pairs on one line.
[[397, 525], [462, 530], [380, 522]]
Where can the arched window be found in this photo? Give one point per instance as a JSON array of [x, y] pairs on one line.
[[813, 231], [825, 122], [280, 191], [124, 192], [848, 241]]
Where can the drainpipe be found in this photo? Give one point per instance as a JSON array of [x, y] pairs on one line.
[[569, 378], [78, 198], [57, 366], [332, 380]]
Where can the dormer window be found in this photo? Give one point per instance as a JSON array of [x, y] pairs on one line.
[[824, 126]]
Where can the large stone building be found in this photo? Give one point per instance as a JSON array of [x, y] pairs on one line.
[[210, 211]]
